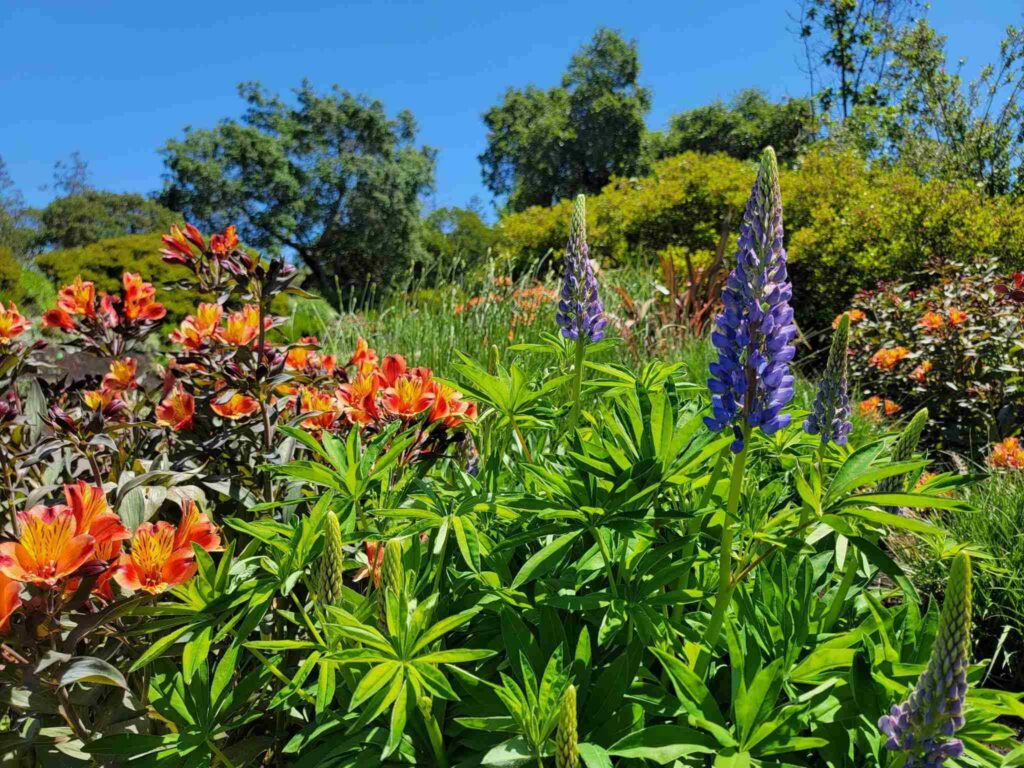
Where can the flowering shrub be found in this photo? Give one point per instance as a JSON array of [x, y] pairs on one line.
[[948, 341], [250, 551]]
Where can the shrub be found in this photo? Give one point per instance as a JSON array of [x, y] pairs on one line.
[[87, 217], [10, 277]]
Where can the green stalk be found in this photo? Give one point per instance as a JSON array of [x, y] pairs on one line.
[[607, 558], [577, 384], [436, 742], [725, 587]]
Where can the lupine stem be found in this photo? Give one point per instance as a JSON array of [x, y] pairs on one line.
[[436, 741], [725, 586], [577, 385]]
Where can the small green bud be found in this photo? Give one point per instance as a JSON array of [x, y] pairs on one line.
[[904, 451], [331, 563], [493, 359], [566, 749], [393, 572]]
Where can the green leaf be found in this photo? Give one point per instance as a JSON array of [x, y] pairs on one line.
[[89, 669], [509, 753], [544, 560], [664, 744], [594, 756]]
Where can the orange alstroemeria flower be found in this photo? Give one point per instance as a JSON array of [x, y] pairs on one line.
[[449, 407], [196, 329], [887, 359], [176, 410], [10, 600], [869, 408], [931, 321], [50, 547], [391, 369], [12, 323], [410, 396], [58, 318], [359, 398], [364, 358], [78, 298], [98, 399], [325, 405], [121, 375], [161, 554], [301, 358], [235, 407], [140, 299], [920, 373], [88, 505], [225, 243], [956, 316], [179, 244], [891, 408], [243, 327], [374, 563]]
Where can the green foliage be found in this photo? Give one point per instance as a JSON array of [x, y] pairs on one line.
[[547, 145], [740, 129], [454, 239], [330, 177], [93, 215], [10, 277]]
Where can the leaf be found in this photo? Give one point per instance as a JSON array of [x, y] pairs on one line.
[[509, 753], [544, 560], [89, 669], [664, 744], [594, 756]]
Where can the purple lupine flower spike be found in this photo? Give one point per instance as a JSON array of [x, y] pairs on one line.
[[924, 724], [751, 381], [580, 311], [830, 416]]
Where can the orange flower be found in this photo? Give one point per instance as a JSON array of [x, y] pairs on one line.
[[121, 375], [359, 398], [449, 407], [179, 244], [856, 315], [10, 600], [1007, 454], [409, 397], [225, 243], [243, 327], [98, 399], [374, 563], [235, 407], [196, 329], [887, 359], [869, 408], [58, 318], [79, 298], [891, 408], [392, 369], [931, 321], [324, 405], [140, 299], [302, 357], [364, 359], [920, 372], [88, 505], [12, 323], [50, 547], [176, 410], [956, 316], [161, 554]]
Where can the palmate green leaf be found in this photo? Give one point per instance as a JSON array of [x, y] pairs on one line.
[[441, 628], [373, 681], [545, 559], [398, 719]]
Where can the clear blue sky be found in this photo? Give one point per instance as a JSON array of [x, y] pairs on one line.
[[116, 79]]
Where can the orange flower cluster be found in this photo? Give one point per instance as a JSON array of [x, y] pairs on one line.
[[856, 315], [931, 321], [136, 304], [177, 409], [526, 302], [118, 380], [956, 316], [12, 323], [306, 358], [873, 407], [886, 359], [920, 373], [1007, 454], [239, 329]]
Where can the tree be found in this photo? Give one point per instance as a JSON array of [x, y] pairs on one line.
[[71, 176], [92, 215], [455, 238], [16, 232], [742, 128], [330, 178], [544, 145]]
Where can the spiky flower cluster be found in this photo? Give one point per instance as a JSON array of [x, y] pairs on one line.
[[330, 564], [904, 451], [923, 726], [751, 381], [830, 416], [566, 738], [580, 311]]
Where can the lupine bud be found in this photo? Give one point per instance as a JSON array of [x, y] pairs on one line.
[[830, 416], [580, 311], [393, 573], [924, 724], [904, 449], [751, 381], [566, 750], [330, 564]]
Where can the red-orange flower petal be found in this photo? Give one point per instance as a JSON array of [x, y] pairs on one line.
[[49, 549]]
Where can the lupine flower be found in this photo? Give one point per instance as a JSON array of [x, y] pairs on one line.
[[10, 600], [12, 323], [931, 321], [580, 311], [364, 358], [176, 410], [888, 358], [904, 449], [121, 375], [234, 406], [374, 563], [330, 566], [566, 738], [956, 316], [830, 416], [50, 547], [923, 726], [140, 299], [1008, 454], [751, 380], [161, 554], [392, 570]]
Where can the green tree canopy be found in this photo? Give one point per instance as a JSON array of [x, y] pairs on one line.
[[742, 128], [331, 178], [455, 238], [92, 215], [544, 145]]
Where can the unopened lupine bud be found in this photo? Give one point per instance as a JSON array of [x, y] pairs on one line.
[[830, 416], [393, 573], [923, 726], [904, 449], [331, 563], [750, 382], [566, 738], [580, 311]]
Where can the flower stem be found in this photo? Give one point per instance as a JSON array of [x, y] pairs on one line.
[[725, 584], [436, 741], [577, 385]]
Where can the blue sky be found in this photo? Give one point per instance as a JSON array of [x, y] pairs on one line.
[[114, 80]]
